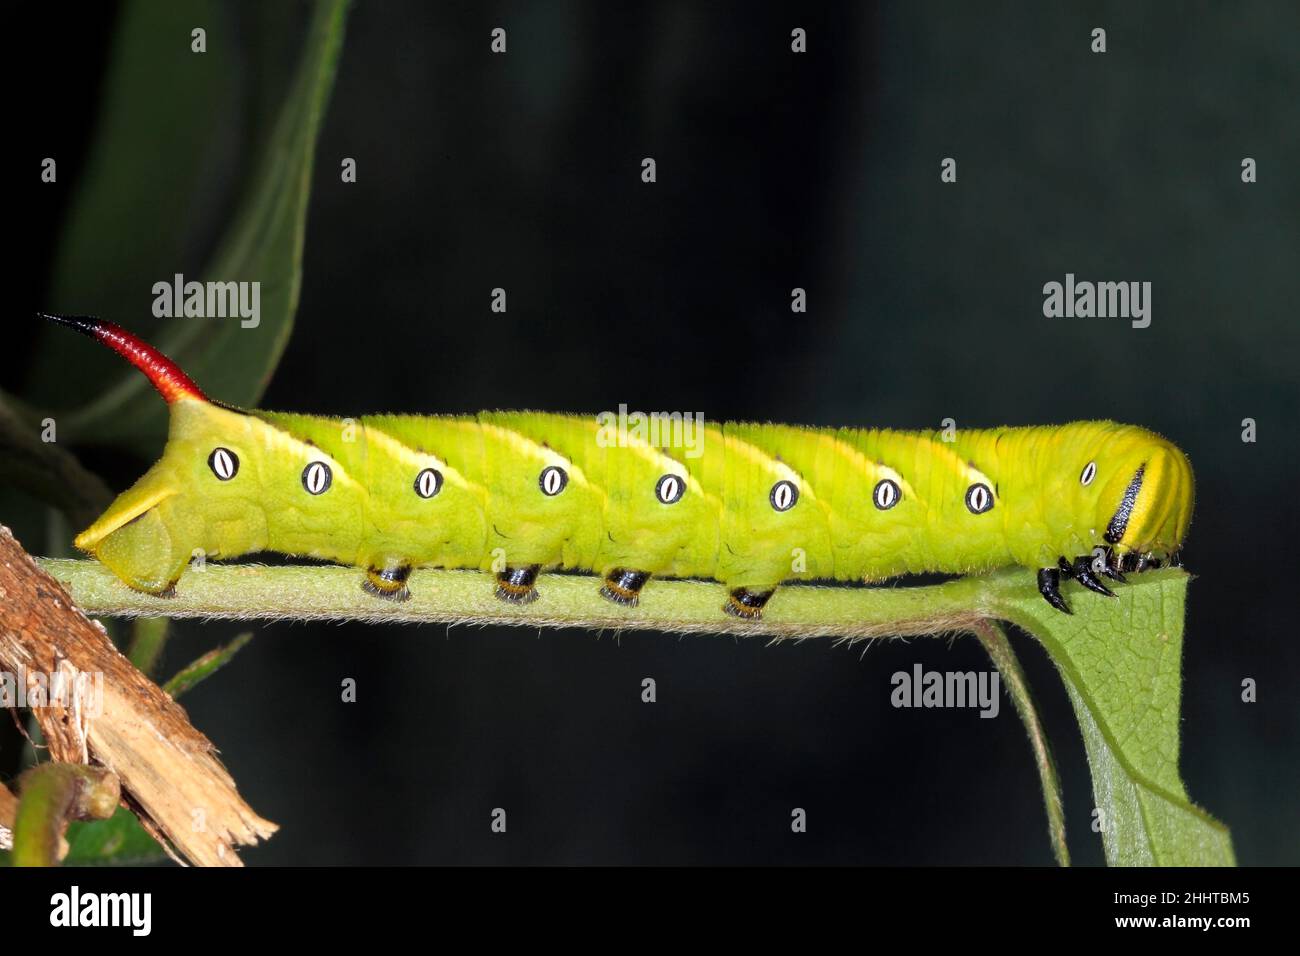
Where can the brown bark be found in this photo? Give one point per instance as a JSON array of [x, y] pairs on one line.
[[8, 813], [170, 775]]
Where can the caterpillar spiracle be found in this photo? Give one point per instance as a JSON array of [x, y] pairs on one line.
[[514, 493]]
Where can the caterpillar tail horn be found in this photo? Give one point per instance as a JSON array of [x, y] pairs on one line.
[[162, 372]]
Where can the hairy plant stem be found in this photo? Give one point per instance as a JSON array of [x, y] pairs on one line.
[[999, 649], [297, 592]]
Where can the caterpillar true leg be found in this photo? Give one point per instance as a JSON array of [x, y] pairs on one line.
[[1135, 562], [515, 585], [1081, 571], [742, 602], [1106, 563], [388, 583], [1049, 586], [623, 586]]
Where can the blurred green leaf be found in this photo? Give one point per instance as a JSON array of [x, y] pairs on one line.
[[118, 840], [46, 470], [148, 638], [151, 176], [205, 666], [263, 242], [1121, 661]]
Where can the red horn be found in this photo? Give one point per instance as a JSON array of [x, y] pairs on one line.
[[170, 381]]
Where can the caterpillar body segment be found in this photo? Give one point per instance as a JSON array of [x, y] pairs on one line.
[[750, 505]]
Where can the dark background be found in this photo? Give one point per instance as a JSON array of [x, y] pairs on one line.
[[775, 170]]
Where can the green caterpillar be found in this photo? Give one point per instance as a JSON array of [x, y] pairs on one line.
[[517, 492]]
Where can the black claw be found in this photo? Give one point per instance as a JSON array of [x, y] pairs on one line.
[[1083, 574], [1176, 559], [1049, 586], [1113, 572]]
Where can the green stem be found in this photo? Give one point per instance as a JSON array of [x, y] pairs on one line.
[[54, 794], [259, 592], [1004, 658]]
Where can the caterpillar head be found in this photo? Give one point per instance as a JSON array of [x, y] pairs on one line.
[[169, 517], [226, 480], [146, 550], [1144, 503], [144, 537]]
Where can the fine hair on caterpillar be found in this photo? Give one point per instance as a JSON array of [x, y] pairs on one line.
[[388, 493]]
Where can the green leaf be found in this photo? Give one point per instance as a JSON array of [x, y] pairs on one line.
[[118, 840], [1121, 661], [148, 637], [263, 241], [148, 181], [205, 666]]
